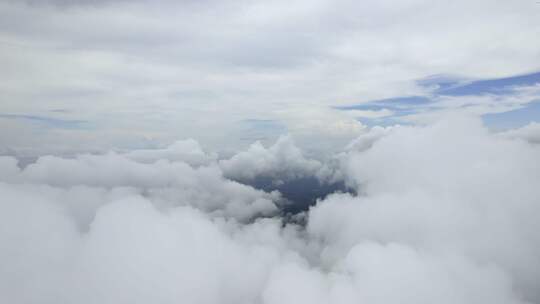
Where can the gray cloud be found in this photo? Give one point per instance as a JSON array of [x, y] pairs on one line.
[[133, 66]]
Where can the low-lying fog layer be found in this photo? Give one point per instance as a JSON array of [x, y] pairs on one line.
[[446, 213]]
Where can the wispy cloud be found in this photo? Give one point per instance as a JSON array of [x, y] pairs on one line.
[[49, 122], [492, 98]]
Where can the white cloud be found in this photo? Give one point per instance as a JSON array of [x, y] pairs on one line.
[[451, 190], [319, 130], [365, 141], [445, 213], [165, 70], [281, 161], [530, 133], [517, 98], [188, 151], [168, 184]]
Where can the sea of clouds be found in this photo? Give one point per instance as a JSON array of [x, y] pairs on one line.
[[442, 213]]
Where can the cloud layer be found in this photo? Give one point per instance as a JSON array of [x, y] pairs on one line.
[[445, 213], [135, 74]]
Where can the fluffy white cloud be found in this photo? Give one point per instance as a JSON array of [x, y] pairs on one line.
[[281, 161], [365, 141], [445, 213], [131, 253], [451, 190], [168, 184]]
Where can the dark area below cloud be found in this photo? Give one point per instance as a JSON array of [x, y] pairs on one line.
[[300, 193]]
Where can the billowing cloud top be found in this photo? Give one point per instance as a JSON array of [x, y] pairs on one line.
[[281, 161], [445, 213]]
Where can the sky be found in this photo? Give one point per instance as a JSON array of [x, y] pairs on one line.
[[100, 75], [265, 152]]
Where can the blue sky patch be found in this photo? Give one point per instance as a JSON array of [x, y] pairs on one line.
[[395, 103], [488, 86], [513, 119], [441, 85]]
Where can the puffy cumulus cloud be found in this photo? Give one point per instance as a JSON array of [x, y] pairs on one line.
[[317, 121], [334, 168], [454, 198], [168, 184], [445, 213], [320, 130], [282, 161], [132, 253]]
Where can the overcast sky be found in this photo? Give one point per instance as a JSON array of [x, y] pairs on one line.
[[96, 75]]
